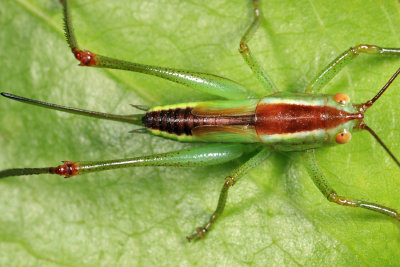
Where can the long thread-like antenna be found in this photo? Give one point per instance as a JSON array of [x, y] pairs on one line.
[[364, 126], [369, 103], [363, 107]]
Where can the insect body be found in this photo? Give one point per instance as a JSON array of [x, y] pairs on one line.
[[284, 121], [243, 123]]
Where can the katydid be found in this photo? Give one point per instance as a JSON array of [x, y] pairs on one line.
[[243, 123]]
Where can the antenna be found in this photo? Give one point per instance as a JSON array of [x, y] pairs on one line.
[[368, 104], [364, 126]]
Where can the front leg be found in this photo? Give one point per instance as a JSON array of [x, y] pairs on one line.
[[345, 58], [320, 181]]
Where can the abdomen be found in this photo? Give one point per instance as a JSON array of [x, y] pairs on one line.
[[214, 121]]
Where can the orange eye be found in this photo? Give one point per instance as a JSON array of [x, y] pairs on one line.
[[343, 137], [341, 98]]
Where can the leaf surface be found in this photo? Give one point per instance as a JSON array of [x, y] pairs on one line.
[[275, 216]]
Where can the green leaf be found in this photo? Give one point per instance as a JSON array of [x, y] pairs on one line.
[[275, 216]]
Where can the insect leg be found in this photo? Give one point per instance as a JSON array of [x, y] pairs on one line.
[[343, 59], [320, 181], [230, 180], [192, 157], [208, 83], [244, 50]]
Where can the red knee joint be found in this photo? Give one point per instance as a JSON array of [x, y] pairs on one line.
[[68, 169], [86, 57]]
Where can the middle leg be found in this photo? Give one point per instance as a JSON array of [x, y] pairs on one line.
[[244, 50], [230, 180]]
